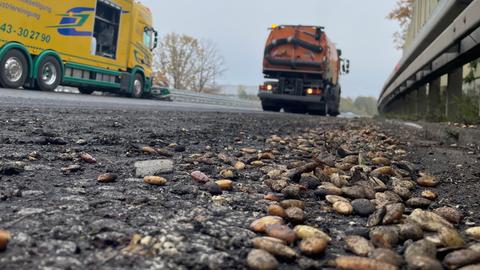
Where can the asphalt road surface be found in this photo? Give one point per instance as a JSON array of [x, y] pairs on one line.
[[55, 99], [59, 215]]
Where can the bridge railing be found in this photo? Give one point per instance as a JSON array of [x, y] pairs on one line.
[[192, 97], [446, 42], [423, 12]]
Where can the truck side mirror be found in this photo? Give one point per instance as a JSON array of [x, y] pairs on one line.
[[345, 66], [155, 42]]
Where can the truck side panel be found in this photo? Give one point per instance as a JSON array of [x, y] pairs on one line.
[[65, 27], [334, 63]]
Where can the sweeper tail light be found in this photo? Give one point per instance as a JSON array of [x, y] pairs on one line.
[[266, 87], [313, 91]]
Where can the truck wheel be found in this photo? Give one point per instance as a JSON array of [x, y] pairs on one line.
[[138, 86], [269, 107], [49, 74], [334, 112], [85, 91], [13, 69]]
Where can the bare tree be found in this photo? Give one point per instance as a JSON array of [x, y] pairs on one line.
[[403, 14], [210, 65], [175, 58], [160, 79], [242, 92], [188, 63]]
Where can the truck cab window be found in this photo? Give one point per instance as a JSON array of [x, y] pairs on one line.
[[107, 21], [148, 38]]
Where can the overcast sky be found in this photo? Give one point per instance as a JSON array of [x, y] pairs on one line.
[[239, 28]]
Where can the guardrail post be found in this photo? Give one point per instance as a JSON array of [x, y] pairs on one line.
[[397, 107], [454, 93], [434, 100], [392, 108], [421, 102], [411, 103], [402, 106]]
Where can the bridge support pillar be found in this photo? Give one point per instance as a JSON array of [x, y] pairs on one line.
[[397, 107], [407, 105], [390, 109], [434, 100], [421, 102], [412, 103], [403, 105], [453, 94]]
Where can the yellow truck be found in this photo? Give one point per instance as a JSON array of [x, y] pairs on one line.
[[95, 45]]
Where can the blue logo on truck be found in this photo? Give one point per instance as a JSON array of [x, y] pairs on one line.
[[72, 20]]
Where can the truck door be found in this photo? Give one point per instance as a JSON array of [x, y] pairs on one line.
[[106, 29]]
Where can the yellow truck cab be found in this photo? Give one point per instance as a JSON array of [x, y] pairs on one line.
[[95, 45]]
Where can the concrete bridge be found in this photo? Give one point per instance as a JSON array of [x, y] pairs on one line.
[[428, 83]]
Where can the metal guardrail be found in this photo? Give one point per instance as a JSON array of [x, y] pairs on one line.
[[425, 14], [202, 98], [193, 97], [445, 42]]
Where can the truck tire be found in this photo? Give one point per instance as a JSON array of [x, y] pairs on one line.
[[334, 108], [334, 112], [138, 86], [13, 69], [269, 107], [86, 91], [49, 74]]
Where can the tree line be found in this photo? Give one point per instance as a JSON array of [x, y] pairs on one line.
[[364, 106], [187, 63]]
